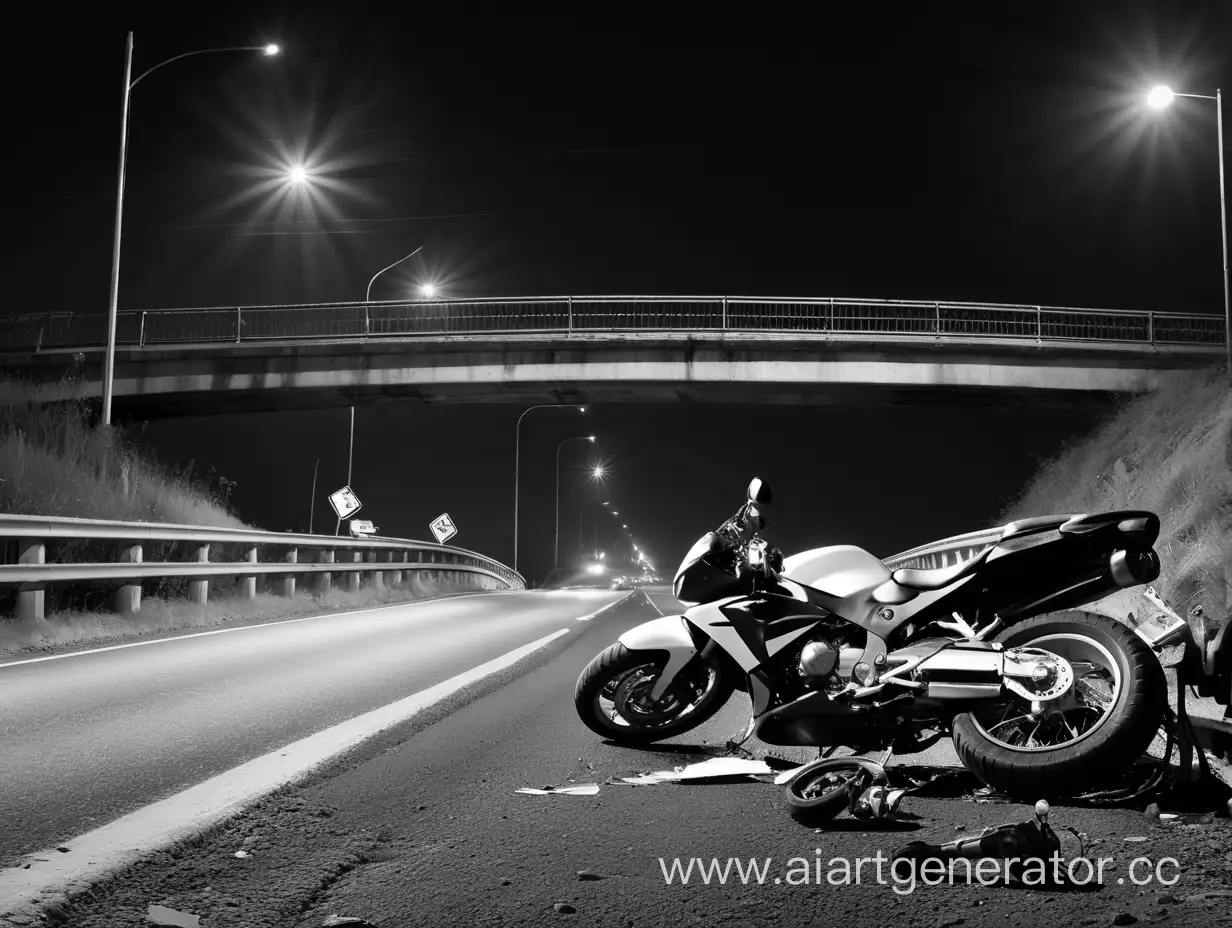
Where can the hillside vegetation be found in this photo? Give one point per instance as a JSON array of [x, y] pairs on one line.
[[1169, 451], [54, 463]]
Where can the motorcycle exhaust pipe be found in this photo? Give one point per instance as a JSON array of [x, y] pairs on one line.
[[1131, 568]]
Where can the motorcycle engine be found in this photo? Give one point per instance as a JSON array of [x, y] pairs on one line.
[[826, 663]]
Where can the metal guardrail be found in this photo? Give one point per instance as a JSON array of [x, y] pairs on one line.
[[579, 315], [946, 551], [32, 573]]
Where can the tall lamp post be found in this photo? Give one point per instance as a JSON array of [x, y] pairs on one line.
[[589, 438], [518, 451], [113, 302], [1161, 97]]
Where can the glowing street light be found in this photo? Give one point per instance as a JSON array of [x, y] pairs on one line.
[[1161, 98], [427, 290], [598, 473], [298, 174], [589, 438], [114, 297]]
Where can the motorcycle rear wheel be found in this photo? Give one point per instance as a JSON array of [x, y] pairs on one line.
[[1074, 751]]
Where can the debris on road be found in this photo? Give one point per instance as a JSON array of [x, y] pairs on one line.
[[1124, 918], [580, 789], [716, 768], [336, 921], [241, 853], [585, 875], [161, 915], [564, 908], [877, 803]]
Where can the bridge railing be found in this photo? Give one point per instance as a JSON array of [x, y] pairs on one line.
[[823, 318], [280, 554]]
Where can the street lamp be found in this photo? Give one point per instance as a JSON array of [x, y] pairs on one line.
[[427, 290], [517, 465], [1160, 98], [114, 298], [589, 438], [368, 292]]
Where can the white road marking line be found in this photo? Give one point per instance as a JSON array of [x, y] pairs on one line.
[[587, 618], [241, 628], [116, 845], [652, 603]]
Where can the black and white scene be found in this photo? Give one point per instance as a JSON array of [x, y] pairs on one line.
[[642, 465]]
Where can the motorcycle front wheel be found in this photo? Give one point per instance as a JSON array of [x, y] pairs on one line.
[[1117, 702], [612, 696]]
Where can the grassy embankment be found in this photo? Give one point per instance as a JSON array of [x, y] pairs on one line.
[[54, 463], [1169, 451]]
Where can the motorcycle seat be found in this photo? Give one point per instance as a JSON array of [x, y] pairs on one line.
[[939, 577]]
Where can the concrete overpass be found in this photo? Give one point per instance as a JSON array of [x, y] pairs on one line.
[[612, 349]]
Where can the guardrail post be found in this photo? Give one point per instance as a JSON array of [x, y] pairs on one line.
[[288, 582], [31, 599], [937, 319], [400, 575], [239, 321], [128, 597], [570, 315], [1039, 325], [352, 584], [378, 577], [141, 337], [723, 324], [248, 585], [199, 590], [392, 576], [1150, 326], [367, 323], [323, 582]]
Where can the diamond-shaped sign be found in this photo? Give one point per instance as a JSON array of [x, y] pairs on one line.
[[443, 528], [345, 502]]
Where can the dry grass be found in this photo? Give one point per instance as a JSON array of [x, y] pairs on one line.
[[54, 463], [1169, 451], [75, 628]]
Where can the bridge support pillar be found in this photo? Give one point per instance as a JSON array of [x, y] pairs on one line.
[[128, 597], [199, 590], [352, 583], [248, 585], [288, 582], [31, 599], [323, 581]]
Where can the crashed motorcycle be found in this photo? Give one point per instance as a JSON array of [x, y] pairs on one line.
[[836, 649]]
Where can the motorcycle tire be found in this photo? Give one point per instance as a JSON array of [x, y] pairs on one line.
[[1120, 738], [812, 810], [612, 664]]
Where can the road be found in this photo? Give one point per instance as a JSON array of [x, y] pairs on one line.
[[87, 738], [423, 826]]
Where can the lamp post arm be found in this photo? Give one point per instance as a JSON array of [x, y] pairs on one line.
[[368, 292], [200, 51]]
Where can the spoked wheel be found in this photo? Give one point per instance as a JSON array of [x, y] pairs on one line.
[[613, 695], [820, 791], [1046, 747]]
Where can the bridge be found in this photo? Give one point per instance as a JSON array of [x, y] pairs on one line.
[[596, 349]]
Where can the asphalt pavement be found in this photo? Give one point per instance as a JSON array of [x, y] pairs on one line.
[[87, 737], [423, 826]]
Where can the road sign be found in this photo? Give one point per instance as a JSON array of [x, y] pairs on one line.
[[362, 527], [443, 528], [345, 502]]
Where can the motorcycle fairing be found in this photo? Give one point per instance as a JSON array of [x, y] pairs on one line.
[[752, 630], [669, 634]]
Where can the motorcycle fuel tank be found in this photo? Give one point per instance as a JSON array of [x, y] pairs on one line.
[[840, 570]]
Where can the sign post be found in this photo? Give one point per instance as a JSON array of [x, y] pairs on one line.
[[443, 528]]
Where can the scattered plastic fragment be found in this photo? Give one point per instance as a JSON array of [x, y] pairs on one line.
[[581, 789], [1134, 840], [787, 775], [339, 920], [564, 908], [1168, 816], [585, 875], [241, 853], [724, 767], [161, 915]]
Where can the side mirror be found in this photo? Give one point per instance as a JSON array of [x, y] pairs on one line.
[[759, 492]]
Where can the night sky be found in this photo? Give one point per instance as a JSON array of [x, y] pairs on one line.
[[934, 154]]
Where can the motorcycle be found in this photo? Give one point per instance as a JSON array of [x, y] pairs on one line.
[[836, 649]]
